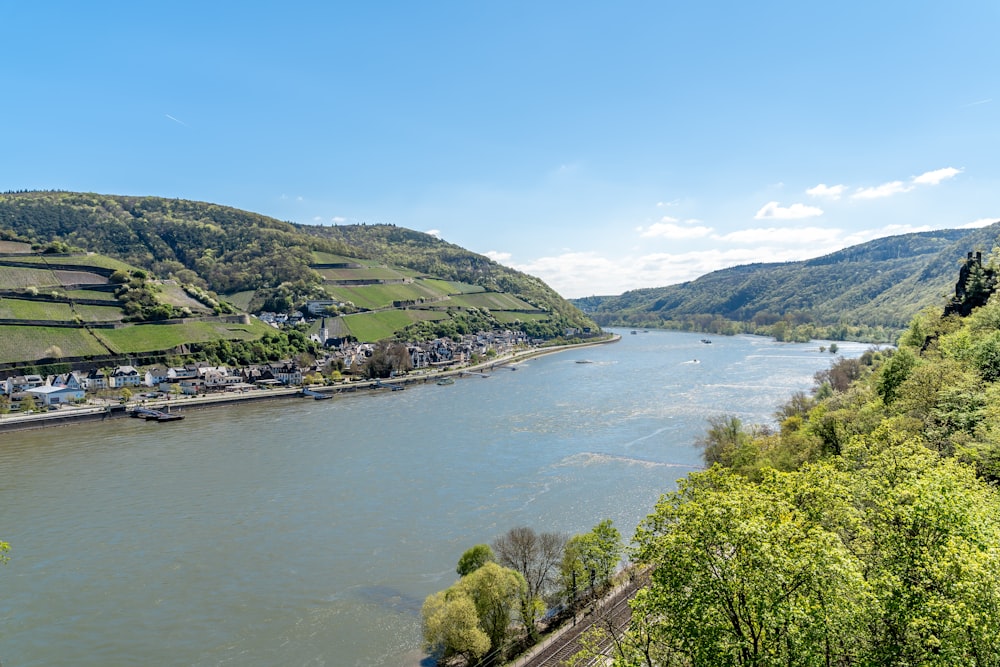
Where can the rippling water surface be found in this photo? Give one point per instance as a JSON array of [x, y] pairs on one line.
[[304, 532]]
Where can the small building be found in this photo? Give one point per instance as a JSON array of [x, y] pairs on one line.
[[155, 376], [21, 383], [96, 380], [55, 395], [73, 380]]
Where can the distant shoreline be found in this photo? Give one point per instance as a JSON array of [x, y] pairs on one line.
[[74, 415]]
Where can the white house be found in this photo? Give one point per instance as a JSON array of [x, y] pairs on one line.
[[95, 380], [155, 376], [54, 395], [178, 373], [126, 376], [73, 380], [19, 383]]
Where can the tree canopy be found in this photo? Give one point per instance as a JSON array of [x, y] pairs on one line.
[[864, 530]]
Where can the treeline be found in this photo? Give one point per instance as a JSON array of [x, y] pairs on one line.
[[864, 530], [507, 587], [794, 327]]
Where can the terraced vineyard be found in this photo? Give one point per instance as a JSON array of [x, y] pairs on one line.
[[66, 313], [38, 342], [376, 301]]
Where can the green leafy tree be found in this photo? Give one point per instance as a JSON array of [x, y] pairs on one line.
[[745, 574], [894, 372], [930, 544], [28, 403], [451, 626], [480, 605], [474, 558], [590, 559]]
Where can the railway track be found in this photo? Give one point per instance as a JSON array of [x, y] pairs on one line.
[[613, 612]]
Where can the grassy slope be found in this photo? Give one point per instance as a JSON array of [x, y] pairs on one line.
[[376, 326], [155, 337], [31, 343]]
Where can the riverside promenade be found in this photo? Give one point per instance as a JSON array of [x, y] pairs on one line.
[[108, 410]]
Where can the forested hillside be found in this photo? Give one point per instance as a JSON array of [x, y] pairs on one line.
[[864, 530], [266, 264], [866, 292]]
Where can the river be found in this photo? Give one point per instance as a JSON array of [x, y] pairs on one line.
[[304, 532]]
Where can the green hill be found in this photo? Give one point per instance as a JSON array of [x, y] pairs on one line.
[[868, 291], [65, 308], [376, 281]]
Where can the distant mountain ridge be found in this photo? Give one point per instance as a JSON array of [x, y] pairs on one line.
[[867, 291]]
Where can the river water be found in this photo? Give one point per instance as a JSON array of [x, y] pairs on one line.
[[304, 532]]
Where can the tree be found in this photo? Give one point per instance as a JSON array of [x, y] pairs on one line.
[[28, 403], [119, 277], [126, 395], [496, 592], [474, 558], [929, 540], [591, 558], [478, 606], [894, 372], [746, 574], [536, 557], [451, 626], [388, 358], [727, 442]]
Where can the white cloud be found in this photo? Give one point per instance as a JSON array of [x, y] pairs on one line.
[[775, 211], [784, 236], [578, 274], [434, 232], [981, 222], [338, 220], [880, 191], [499, 257], [936, 176], [828, 191], [865, 235], [669, 229]]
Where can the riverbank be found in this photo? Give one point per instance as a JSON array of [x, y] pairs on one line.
[[65, 416]]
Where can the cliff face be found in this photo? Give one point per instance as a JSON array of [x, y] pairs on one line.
[[976, 283]]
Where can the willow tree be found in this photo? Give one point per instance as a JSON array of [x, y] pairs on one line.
[[473, 617]]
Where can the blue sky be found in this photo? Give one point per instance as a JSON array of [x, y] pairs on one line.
[[599, 146]]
